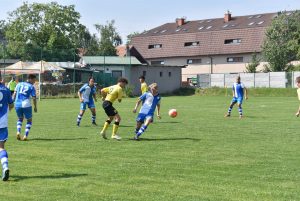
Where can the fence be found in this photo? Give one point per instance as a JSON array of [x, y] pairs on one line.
[[268, 80]]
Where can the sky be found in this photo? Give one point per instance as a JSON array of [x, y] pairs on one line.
[[139, 15]]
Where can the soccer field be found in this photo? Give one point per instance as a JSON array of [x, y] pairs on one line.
[[200, 155]]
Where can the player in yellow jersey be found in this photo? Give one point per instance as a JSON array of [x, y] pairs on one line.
[[109, 95], [144, 87]]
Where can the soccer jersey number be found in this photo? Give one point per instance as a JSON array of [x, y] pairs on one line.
[[24, 89]]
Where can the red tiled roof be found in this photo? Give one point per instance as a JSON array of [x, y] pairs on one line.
[[250, 29]]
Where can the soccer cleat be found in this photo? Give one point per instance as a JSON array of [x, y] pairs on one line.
[[77, 124], [18, 136], [241, 116], [103, 134], [94, 123], [297, 114], [136, 138], [227, 115], [25, 138], [5, 174], [116, 137]]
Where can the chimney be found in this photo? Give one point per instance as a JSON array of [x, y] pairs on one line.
[[227, 16], [180, 21]]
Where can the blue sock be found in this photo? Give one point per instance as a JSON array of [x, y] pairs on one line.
[[28, 126], [93, 118], [240, 111], [142, 130], [19, 125], [4, 159], [79, 117]]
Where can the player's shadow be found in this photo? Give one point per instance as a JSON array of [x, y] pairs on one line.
[[57, 139], [55, 176], [170, 139], [168, 122]]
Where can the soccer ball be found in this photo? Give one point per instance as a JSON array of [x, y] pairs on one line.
[[173, 113]]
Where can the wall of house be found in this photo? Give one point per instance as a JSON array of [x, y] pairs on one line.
[[219, 64], [168, 78]]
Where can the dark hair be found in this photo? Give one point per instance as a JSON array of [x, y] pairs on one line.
[[298, 79], [142, 77], [90, 78], [31, 77], [122, 79]]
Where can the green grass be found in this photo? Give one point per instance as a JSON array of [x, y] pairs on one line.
[[199, 155]]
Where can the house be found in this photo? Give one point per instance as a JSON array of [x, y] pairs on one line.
[[107, 69], [220, 45]]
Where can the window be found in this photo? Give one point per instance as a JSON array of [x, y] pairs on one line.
[[155, 46], [178, 29], [232, 41], [208, 27], [163, 31], [226, 25], [116, 73], [260, 22], [208, 20], [250, 17], [160, 74], [155, 31], [193, 61], [258, 16], [144, 73], [200, 28], [170, 74], [235, 59], [157, 62], [191, 44], [251, 23]]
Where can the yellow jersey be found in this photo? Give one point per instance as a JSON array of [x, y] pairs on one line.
[[144, 87], [113, 93], [298, 92]]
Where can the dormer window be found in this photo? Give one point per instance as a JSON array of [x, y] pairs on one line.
[[191, 44], [163, 31], [251, 23], [200, 28], [226, 25], [258, 16], [155, 46], [232, 41], [260, 22], [178, 29], [155, 31], [208, 27]]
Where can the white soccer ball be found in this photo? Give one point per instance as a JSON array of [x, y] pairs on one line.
[[173, 113]]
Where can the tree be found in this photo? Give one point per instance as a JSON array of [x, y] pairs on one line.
[[49, 31], [282, 43], [109, 38], [130, 36], [251, 67]]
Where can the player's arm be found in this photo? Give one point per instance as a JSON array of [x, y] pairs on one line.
[[158, 111], [103, 93], [120, 95], [233, 94], [80, 96], [34, 104], [246, 93], [95, 97], [137, 105]]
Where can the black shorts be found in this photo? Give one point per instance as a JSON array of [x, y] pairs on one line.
[[109, 109]]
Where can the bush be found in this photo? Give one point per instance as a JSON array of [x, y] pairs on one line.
[[184, 91]]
